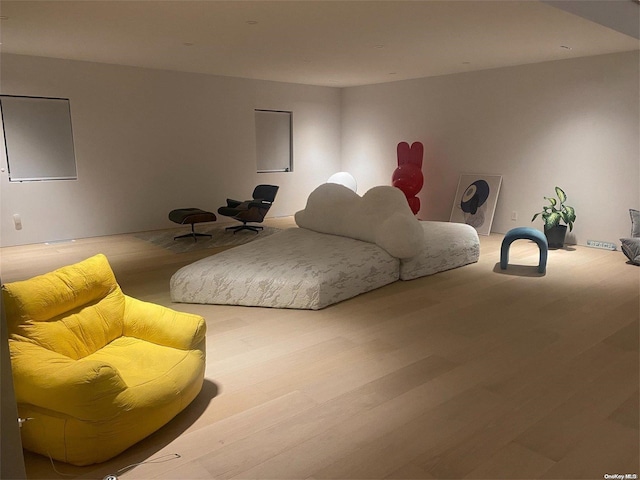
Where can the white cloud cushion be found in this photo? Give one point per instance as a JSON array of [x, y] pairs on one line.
[[381, 216]]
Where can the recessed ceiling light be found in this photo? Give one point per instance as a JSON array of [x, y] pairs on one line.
[[188, 44], [392, 73], [466, 63], [378, 46], [252, 22]]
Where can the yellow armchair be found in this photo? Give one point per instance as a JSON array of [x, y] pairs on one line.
[[95, 369]]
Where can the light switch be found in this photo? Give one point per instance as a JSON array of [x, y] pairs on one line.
[[17, 221]]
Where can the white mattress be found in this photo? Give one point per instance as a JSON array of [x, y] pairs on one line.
[[446, 246], [295, 268]]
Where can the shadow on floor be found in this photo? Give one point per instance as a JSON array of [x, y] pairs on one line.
[[519, 270]]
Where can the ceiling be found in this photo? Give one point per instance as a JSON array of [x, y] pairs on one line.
[[329, 43]]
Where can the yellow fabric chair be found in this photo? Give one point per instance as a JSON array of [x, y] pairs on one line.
[[95, 369]]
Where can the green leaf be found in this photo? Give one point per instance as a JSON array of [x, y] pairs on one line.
[[552, 201], [561, 195], [571, 214], [535, 216], [552, 219]]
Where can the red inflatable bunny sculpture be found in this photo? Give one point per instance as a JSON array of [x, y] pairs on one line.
[[408, 176]]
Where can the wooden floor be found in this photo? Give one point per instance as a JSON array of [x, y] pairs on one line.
[[471, 373]]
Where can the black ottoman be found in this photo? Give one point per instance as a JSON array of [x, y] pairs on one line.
[[191, 216]]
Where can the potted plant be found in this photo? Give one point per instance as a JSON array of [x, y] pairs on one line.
[[552, 216]]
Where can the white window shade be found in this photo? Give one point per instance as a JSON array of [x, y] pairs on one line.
[[38, 138], [273, 141]]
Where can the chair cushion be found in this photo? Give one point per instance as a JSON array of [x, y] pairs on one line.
[[631, 249], [74, 310], [185, 216], [153, 373], [635, 223]]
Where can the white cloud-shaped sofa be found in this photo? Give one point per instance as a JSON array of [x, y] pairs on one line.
[[344, 245]]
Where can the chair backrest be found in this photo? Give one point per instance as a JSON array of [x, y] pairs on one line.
[[266, 193], [74, 310]]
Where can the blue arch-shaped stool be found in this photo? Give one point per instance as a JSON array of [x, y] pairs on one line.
[[524, 233]]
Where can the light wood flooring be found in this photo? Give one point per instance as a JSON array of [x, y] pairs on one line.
[[471, 373]]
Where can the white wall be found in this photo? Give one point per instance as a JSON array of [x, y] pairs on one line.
[[572, 123], [148, 141]]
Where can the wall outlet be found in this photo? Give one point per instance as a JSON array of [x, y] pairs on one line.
[[514, 216], [599, 244], [17, 221]]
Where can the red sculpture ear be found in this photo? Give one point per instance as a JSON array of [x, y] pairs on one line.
[[404, 153], [416, 153]]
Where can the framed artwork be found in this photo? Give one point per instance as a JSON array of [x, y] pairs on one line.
[[475, 201]]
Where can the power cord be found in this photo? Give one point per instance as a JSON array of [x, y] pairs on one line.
[[160, 459], [53, 465], [114, 476]]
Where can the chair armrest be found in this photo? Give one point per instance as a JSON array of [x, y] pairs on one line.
[[162, 325], [81, 388], [233, 203], [259, 204]]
